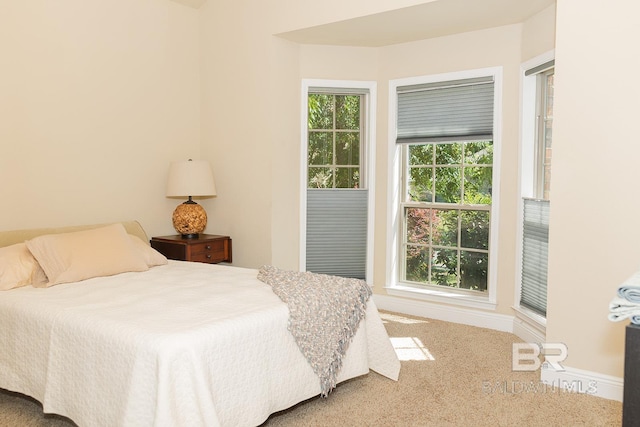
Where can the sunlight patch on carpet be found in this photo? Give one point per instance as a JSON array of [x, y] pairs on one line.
[[411, 348], [388, 317]]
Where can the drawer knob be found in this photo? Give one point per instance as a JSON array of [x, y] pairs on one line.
[[208, 246], [208, 256]]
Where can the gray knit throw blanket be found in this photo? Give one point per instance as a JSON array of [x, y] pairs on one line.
[[324, 315]]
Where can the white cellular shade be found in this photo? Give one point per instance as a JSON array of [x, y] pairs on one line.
[[190, 178], [535, 248], [337, 232], [540, 68], [460, 110]]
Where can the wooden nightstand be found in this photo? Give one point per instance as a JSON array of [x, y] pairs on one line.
[[208, 248]]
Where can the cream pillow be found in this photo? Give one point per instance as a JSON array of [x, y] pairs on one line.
[[150, 255], [19, 268], [80, 255]]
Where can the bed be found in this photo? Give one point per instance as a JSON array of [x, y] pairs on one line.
[[174, 344]]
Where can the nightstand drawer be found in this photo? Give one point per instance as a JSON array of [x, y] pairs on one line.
[[209, 252]]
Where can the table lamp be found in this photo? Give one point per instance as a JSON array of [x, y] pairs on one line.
[[190, 178]]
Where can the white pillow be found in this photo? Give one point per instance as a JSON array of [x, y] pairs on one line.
[[80, 255], [19, 268], [150, 255]]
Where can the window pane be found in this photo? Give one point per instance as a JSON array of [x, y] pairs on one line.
[[477, 185], [547, 182], [417, 264], [448, 185], [479, 153], [474, 229], [418, 224], [348, 148], [473, 270], [445, 227], [448, 154], [320, 178], [421, 154], [320, 111], [444, 266], [347, 177], [420, 186], [548, 137], [348, 112], [320, 150]]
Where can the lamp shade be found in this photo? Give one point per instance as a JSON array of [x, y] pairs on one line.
[[190, 178]]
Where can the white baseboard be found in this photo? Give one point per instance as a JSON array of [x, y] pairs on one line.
[[571, 380], [578, 380], [526, 331]]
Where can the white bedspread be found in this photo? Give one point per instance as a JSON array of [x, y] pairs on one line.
[[184, 344]]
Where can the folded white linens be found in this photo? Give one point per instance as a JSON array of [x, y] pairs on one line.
[[617, 317], [621, 308], [630, 293], [626, 304]]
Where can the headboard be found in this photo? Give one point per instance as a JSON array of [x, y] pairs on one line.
[[17, 236]]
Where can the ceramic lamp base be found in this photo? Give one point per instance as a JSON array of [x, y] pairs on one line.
[[189, 219]]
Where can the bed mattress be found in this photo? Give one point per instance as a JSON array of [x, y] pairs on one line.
[[184, 344]]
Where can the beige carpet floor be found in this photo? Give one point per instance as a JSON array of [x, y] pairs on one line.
[[459, 376]]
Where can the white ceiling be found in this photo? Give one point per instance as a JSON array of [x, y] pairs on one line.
[[434, 19]]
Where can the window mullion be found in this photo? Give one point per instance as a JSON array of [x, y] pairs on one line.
[[433, 199], [462, 180]]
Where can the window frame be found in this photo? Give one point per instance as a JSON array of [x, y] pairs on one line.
[[367, 155], [395, 213], [532, 322]]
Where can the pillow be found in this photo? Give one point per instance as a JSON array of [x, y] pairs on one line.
[[150, 255], [80, 255], [19, 268]]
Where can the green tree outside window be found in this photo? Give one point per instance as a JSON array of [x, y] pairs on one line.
[[333, 152], [448, 214]]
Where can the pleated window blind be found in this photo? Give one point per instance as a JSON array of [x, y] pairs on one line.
[[457, 110], [337, 232], [535, 247]]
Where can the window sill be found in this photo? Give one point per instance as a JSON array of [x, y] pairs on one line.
[[532, 320], [442, 296]]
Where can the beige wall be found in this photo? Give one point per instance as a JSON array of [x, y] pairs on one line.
[[96, 98], [593, 233], [539, 33], [237, 124]]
